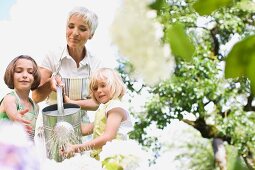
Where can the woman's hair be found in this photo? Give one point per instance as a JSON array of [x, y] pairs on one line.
[[111, 78], [9, 72], [89, 17]]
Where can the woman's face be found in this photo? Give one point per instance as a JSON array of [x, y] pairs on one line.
[[23, 74], [77, 32]]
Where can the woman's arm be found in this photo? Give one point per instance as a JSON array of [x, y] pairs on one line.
[[45, 87]]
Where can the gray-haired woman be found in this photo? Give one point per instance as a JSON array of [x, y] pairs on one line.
[[71, 65]]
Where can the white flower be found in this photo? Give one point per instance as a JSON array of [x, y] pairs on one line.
[[137, 36], [16, 148], [78, 162], [128, 154], [13, 133]]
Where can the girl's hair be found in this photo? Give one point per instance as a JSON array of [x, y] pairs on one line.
[[89, 17], [9, 72], [111, 78]]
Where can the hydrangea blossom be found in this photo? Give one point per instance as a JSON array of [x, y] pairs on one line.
[[17, 151], [138, 37], [128, 154], [78, 162]]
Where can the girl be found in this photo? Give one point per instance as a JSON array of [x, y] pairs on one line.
[[22, 75], [112, 119]]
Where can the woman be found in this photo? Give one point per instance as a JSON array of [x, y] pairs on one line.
[[71, 65]]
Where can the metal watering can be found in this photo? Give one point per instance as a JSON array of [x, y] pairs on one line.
[[62, 125]]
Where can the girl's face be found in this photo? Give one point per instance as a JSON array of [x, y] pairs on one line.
[[77, 32], [23, 74], [102, 92]]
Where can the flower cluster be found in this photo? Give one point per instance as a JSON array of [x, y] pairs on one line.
[[78, 162], [17, 151], [138, 37], [127, 155]]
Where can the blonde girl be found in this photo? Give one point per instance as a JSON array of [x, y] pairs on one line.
[[112, 119]]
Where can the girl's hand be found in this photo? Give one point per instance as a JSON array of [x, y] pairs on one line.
[[67, 99], [20, 116], [68, 151], [26, 123]]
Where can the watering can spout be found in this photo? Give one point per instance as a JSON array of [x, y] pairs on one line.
[[60, 100]]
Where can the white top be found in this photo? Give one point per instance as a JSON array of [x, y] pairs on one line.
[[68, 68], [125, 126], [76, 79]]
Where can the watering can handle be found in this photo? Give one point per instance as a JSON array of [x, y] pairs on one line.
[[60, 100]]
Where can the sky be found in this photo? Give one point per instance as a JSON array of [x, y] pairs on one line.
[[34, 26], [5, 7]]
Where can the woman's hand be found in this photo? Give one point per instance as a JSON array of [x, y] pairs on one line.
[[56, 81]]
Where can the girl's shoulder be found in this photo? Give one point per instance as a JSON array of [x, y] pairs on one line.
[[9, 97], [115, 103]]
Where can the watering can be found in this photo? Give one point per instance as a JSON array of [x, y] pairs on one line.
[[62, 125]]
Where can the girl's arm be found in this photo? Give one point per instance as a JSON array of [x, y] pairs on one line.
[[13, 114], [86, 104], [87, 129], [10, 107], [114, 118]]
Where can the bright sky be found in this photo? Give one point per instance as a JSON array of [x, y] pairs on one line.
[[32, 27]]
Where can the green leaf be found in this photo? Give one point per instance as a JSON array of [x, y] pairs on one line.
[[206, 7], [179, 41], [241, 61], [158, 4], [251, 72]]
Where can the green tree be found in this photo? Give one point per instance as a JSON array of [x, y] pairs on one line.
[[198, 86]]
